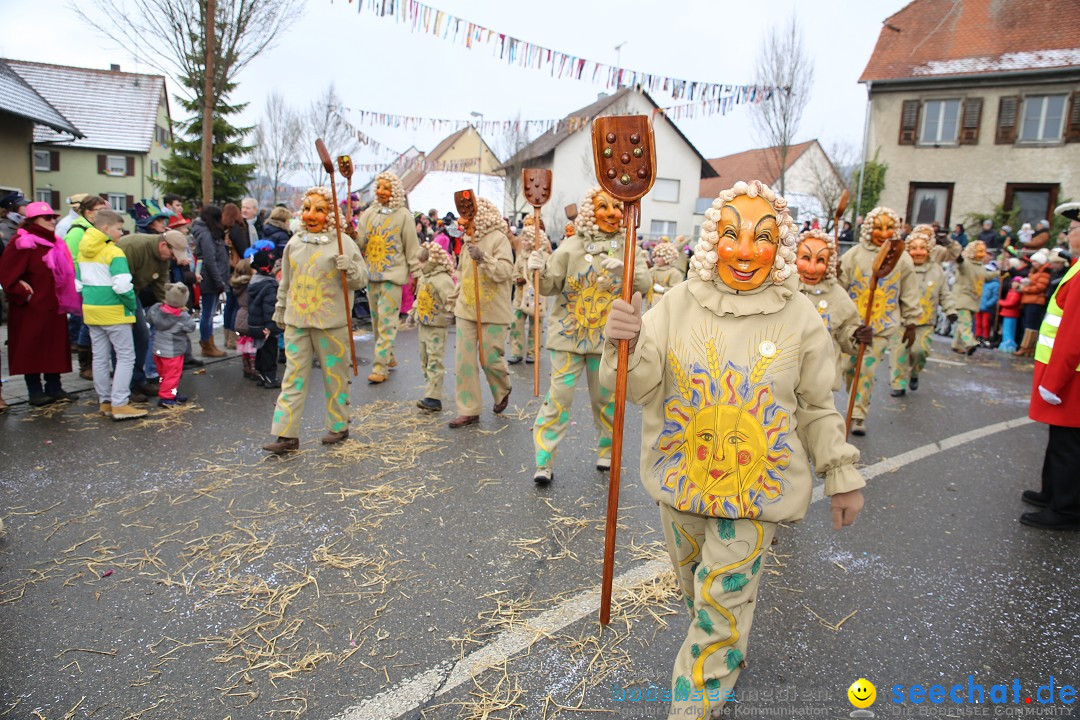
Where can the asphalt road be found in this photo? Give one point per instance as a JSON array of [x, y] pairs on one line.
[[168, 569]]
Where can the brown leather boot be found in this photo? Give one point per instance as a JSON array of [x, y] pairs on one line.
[[86, 363], [210, 350], [282, 445], [463, 420], [333, 438], [498, 407], [230, 339]]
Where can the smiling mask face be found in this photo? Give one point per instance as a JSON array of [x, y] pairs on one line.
[[748, 243], [812, 260], [608, 212], [313, 212]]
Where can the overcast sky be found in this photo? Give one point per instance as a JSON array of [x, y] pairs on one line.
[[379, 65]]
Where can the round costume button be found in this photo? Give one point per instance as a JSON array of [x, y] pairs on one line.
[[154, 276], [767, 349], [588, 258], [822, 304]]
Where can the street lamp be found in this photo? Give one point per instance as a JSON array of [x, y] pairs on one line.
[[479, 148]]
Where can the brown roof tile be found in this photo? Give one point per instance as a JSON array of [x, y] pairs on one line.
[[935, 38], [762, 164]]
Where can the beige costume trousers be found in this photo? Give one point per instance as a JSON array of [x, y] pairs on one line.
[[554, 416], [467, 373], [432, 354], [332, 350]]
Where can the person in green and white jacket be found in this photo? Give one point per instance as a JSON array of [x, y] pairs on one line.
[[104, 279]]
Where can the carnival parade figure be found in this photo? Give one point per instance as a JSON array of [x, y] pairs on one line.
[[816, 260], [435, 296], [934, 293], [584, 275], [896, 306], [521, 329], [387, 237], [665, 272], [734, 369], [971, 273], [310, 309], [487, 262]]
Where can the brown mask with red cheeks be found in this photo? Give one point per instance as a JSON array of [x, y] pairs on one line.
[[748, 243], [812, 260]]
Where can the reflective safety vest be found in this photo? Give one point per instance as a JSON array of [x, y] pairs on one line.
[[1048, 329]]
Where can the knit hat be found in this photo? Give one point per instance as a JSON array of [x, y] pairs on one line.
[[1039, 258], [262, 261], [176, 295]]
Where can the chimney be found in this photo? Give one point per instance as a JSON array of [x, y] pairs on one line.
[[601, 96], [114, 67]]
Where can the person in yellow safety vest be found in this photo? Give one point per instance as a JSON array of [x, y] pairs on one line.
[[1055, 400]]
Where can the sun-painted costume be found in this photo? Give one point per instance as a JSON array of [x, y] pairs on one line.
[[435, 297], [922, 248], [521, 329], [584, 275], [734, 370], [312, 310], [831, 301], [495, 270], [896, 307], [387, 237], [665, 272], [971, 274]]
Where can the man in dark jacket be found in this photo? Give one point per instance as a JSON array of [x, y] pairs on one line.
[[987, 234], [148, 259], [214, 255]]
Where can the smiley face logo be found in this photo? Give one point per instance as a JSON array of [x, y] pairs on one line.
[[862, 693]]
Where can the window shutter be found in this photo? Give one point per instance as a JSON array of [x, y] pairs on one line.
[[54, 159], [54, 201], [1072, 126], [130, 202], [130, 166], [1008, 120], [971, 118], [105, 196], [909, 122], [101, 164]]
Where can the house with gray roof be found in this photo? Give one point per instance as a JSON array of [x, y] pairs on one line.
[[21, 110], [124, 133]]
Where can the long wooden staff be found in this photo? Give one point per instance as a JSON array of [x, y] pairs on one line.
[[345, 166], [328, 165], [841, 206], [624, 157], [537, 186], [884, 262], [466, 207]]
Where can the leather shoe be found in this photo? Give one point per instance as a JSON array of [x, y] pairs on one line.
[[463, 420], [333, 438], [513, 359], [429, 404], [193, 362], [282, 445], [375, 378], [858, 426], [40, 399], [913, 383], [1047, 519], [898, 392], [543, 476], [1037, 499], [498, 407]]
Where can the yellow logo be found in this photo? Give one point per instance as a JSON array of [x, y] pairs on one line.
[[862, 693]]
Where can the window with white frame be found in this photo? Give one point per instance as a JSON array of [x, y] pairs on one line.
[[665, 190], [941, 121], [118, 202], [115, 165], [1043, 118], [658, 228], [42, 161], [44, 196]]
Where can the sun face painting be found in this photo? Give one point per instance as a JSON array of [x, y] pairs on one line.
[[723, 444], [306, 295], [381, 247], [425, 306], [587, 308], [886, 298]]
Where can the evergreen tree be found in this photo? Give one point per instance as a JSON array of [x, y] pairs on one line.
[[182, 173]]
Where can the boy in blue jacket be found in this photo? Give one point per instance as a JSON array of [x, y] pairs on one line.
[[984, 319], [262, 296]]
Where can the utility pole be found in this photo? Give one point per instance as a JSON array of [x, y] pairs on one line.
[[208, 109]]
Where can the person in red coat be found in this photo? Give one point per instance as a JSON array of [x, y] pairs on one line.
[[1055, 400], [38, 277]]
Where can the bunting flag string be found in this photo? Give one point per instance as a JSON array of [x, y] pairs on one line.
[[418, 163], [425, 19]]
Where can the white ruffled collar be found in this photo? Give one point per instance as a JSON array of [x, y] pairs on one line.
[[721, 300]]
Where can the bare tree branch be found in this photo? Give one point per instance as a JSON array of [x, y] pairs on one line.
[[325, 119], [277, 142], [512, 142], [831, 176], [784, 65]]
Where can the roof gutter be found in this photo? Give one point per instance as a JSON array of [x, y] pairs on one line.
[[1009, 77]]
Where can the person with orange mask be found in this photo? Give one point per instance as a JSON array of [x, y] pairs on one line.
[[734, 372], [933, 293]]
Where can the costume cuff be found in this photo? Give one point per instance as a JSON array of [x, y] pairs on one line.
[[843, 478]]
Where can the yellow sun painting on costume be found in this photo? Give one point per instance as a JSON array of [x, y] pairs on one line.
[[425, 306], [927, 306], [306, 296], [724, 440], [487, 287], [382, 242], [886, 299], [587, 308]]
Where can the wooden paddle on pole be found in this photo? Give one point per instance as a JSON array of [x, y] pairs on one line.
[[841, 206], [537, 187], [624, 157], [328, 165], [345, 167], [571, 212], [884, 262], [465, 202]]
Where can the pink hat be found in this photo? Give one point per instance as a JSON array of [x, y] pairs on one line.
[[39, 209]]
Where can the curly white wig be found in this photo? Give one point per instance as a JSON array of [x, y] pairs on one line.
[[397, 190], [705, 256], [830, 242], [437, 254], [922, 232], [331, 216], [488, 217], [969, 249], [585, 222], [526, 239], [868, 222], [666, 250]]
